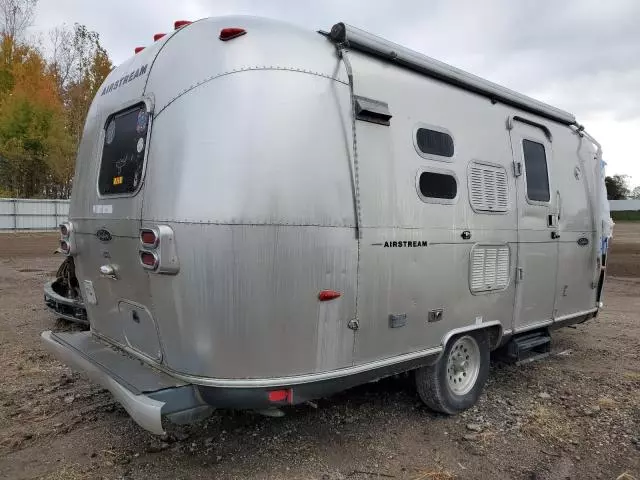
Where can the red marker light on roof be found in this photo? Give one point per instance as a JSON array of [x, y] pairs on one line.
[[158, 36], [181, 23], [325, 295], [232, 32], [138, 49]]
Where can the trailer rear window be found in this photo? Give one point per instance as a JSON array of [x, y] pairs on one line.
[[123, 151], [535, 167]]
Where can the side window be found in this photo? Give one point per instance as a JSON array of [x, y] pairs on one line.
[[430, 142], [437, 187], [123, 151], [535, 166]]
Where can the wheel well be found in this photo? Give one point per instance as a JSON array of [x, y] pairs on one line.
[[494, 331]]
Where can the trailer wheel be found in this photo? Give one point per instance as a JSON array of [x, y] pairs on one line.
[[456, 381]]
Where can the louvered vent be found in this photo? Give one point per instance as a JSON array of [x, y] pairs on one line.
[[489, 268], [488, 188]]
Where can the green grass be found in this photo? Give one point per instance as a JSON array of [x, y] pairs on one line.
[[626, 216]]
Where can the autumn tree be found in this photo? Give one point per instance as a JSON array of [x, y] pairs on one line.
[[43, 102], [79, 64]]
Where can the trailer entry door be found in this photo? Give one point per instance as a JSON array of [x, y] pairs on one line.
[[537, 248]]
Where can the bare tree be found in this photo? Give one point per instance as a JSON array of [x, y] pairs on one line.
[[64, 55], [16, 16]]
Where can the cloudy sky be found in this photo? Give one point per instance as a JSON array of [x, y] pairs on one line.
[[579, 55]]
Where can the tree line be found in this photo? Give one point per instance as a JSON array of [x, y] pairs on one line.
[[618, 188], [44, 99]]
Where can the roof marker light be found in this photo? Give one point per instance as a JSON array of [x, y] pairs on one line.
[[231, 32], [158, 36], [138, 49], [180, 23], [326, 295]]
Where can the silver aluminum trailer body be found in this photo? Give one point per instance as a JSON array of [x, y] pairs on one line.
[[284, 163]]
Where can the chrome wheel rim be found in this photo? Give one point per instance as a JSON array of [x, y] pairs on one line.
[[463, 365]]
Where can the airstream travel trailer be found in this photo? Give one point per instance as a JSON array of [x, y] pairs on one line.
[[263, 215]]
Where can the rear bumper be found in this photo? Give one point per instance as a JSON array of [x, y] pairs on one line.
[[146, 394], [63, 307]]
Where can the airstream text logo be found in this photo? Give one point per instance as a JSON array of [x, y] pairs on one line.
[[126, 79], [404, 243]]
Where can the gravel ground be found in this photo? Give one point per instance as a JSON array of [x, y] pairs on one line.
[[574, 415]]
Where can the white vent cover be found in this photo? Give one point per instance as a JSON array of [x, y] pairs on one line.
[[489, 269], [488, 190]]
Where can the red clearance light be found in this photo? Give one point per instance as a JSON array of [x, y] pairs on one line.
[[181, 23], [158, 36], [281, 396], [149, 260], [232, 32], [138, 49], [148, 238], [325, 295]]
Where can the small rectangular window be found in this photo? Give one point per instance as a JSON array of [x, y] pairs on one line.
[[535, 166], [433, 185], [123, 152], [433, 142]]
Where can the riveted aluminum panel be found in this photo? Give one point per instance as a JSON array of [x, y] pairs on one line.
[[268, 44], [245, 303], [272, 148]]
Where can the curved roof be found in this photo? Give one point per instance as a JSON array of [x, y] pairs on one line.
[[353, 37]]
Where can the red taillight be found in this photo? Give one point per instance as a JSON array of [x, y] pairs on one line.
[[65, 247], [149, 260], [180, 23], [231, 32], [281, 396], [138, 49], [325, 295], [158, 36], [148, 238], [64, 230]]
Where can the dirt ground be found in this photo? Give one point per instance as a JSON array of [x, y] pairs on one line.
[[574, 415]]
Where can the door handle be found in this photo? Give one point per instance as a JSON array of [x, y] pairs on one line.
[[555, 235]]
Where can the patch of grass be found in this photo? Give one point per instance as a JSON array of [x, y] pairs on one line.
[[548, 423], [632, 375], [626, 216], [606, 403], [72, 472], [435, 475]]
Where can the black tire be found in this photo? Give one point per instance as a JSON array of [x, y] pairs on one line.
[[433, 384]]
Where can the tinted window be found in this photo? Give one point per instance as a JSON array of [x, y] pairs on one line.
[[535, 164], [123, 151], [433, 142], [438, 185]]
